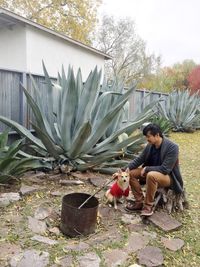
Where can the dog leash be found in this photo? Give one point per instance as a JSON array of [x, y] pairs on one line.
[[96, 193]]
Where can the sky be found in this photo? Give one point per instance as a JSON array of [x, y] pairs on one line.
[[171, 28]]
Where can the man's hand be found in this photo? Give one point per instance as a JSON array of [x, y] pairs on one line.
[[143, 172], [115, 175]]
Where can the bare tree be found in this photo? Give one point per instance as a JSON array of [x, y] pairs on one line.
[[119, 39]]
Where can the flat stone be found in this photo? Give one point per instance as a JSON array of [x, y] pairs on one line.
[[82, 175], [38, 177], [89, 260], [107, 238], [55, 194], [66, 261], [80, 246], [136, 227], [136, 241], [71, 182], [135, 265], [152, 235], [54, 230], [131, 219], [44, 239], [115, 257], [109, 215], [30, 258], [97, 181], [7, 250], [36, 226], [164, 221], [4, 202], [26, 189], [150, 256], [11, 197], [42, 212], [4, 231], [173, 244]]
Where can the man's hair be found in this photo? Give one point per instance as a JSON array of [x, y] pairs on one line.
[[153, 129]]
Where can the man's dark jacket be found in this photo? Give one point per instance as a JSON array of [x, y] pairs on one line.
[[169, 163]]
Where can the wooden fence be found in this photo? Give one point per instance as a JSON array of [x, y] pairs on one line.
[[13, 103]]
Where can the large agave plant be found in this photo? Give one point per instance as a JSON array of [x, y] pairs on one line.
[[12, 164], [182, 109], [78, 118]]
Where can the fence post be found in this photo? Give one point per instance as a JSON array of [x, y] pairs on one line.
[[23, 104]]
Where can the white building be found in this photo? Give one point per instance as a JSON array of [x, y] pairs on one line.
[[24, 44]]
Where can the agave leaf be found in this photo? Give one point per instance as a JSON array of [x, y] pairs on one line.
[[88, 98], [14, 148], [30, 164], [48, 143], [79, 140], [23, 131], [3, 138], [6, 164], [105, 122], [40, 116], [98, 160], [128, 128], [67, 113], [4, 178], [121, 145]]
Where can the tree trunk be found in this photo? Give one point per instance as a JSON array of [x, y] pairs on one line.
[[171, 201]]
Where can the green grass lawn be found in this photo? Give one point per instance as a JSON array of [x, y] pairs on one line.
[[190, 231]]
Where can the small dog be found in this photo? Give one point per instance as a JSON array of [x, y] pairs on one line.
[[119, 189]]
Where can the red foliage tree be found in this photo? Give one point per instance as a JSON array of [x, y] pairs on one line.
[[194, 80]]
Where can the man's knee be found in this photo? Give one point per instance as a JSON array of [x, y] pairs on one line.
[[135, 173], [151, 176]]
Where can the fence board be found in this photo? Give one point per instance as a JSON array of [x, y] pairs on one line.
[[13, 104], [10, 96]]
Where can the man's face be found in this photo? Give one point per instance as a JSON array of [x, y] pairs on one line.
[[152, 139]]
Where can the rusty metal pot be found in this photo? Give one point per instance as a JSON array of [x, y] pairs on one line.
[[78, 221]]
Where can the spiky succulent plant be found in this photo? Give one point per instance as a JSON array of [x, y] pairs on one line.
[[182, 110], [76, 127]]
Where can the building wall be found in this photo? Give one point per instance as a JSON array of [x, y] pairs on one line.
[[56, 52], [13, 48]]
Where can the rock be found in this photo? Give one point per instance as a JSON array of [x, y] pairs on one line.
[[131, 218], [135, 265], [150, 256], [164, 221], [89, 260], [55, 194], [45, 240], [136, 242], [4, 202], [82, 175], [71, 182], [26, 189], [109, 215], [76, 247], [173, 244], [36, 226], [54, 230], [136, 227], [11, 197], [66, 261], [42, 212], [107, 238], [152, 235], [115, 257], [38, 177], [8, 250], [98, 181], [30, 258]]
